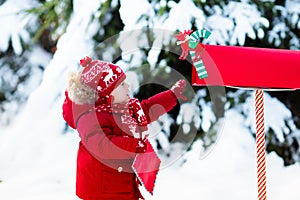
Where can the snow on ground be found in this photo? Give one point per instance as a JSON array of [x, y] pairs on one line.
[[228, 172], [45, 169]]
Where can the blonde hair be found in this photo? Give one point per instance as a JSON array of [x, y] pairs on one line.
[[78, 92]]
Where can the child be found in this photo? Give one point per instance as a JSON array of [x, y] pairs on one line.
[[110, 124]]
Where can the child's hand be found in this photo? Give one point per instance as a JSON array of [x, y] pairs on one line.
[[178, 88]]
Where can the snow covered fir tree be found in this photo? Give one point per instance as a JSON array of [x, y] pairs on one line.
[[207, 143]]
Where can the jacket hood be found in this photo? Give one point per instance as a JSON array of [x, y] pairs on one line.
[[78, 92], [71, 111]]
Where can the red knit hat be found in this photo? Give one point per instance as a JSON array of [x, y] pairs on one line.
[[101, 76]]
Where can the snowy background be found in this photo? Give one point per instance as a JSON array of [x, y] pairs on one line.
[[38, 155]]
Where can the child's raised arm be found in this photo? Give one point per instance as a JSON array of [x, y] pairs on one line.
[[163, 102]]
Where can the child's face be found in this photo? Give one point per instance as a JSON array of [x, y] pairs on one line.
[[121, 93]]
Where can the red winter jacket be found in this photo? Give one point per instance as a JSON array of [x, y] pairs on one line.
[[106, 151]]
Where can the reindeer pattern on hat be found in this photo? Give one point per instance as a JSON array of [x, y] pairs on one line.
[[95, 70], [110, 77], [101, 76]]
